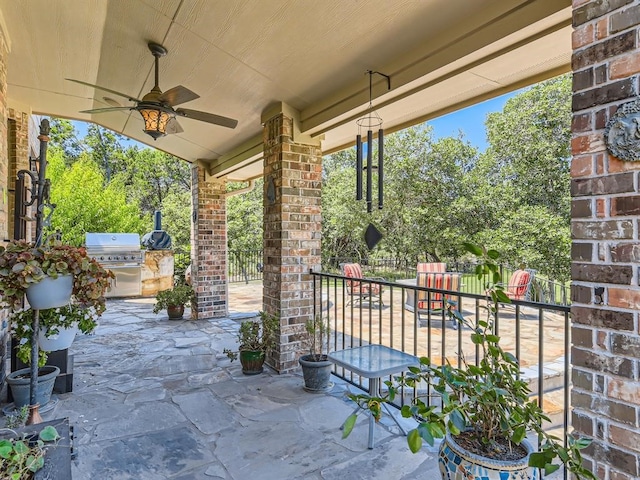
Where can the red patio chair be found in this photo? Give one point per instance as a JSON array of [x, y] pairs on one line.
[[429, 302], [432, 267], [367, 290], [520, 285]]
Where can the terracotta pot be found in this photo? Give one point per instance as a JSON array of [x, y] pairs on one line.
[[252, 361], [50, 292], [175, 312], [457, 463], [316, 374]]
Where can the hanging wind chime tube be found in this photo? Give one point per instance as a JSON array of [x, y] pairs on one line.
[[359, 167], [370, 121], [380, 168]]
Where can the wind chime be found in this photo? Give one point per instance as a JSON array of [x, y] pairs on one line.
[[370, 122]]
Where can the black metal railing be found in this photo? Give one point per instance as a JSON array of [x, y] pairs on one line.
[[245, 265], [536, 333]]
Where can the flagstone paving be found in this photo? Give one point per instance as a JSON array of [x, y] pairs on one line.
[[156, 399]]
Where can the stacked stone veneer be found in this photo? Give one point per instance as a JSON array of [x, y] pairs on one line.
[[208, 245], [292, 234], [606, 245]]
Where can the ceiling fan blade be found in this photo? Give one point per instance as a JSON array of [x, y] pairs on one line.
[[105, 110], [177, 95], [207, 117], [173, 126], [129, 97]]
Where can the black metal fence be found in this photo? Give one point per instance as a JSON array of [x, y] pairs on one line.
[[536, 333], [245, 265]]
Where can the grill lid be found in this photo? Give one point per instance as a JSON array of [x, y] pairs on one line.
[[112, 241]]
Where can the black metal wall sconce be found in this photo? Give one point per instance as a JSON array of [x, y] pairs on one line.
[[370, 122]]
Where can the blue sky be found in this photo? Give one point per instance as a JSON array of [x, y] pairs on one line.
[[469, 121]]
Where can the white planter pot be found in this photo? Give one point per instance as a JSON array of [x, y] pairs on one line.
[[60, 341], [50, 292]]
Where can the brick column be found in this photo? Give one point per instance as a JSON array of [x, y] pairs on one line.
[[292, 229], [208, 244], [606, 247], [4, 193]]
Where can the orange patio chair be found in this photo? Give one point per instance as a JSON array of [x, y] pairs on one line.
[[429, 302], [365, 291], [520, 285]]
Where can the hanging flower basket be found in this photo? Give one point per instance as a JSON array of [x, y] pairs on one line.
[[50, 292]]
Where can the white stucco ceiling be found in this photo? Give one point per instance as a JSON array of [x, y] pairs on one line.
[[244, 56]]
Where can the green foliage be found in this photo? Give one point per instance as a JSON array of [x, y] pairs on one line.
[[18, 418], [85, 204], [179, 295], [244, 217], [176, 218], [488, 399], [319, 337], [21, 458], [256, 335], [50, 321]]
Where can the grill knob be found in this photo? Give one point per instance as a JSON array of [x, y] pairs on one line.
[[101, 258], [108, 258]]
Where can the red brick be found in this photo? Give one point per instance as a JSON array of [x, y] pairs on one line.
[[600, 207], [587, 144], [624, 390], [582, 166], [624, 206], [625, 65], [624, 298], [616, 165], [581, 122], [598, 317], [599, 164], [602, 28]]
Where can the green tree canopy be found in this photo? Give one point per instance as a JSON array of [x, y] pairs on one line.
[[84, 204]]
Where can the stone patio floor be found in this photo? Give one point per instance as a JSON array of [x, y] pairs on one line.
[[157, 399]]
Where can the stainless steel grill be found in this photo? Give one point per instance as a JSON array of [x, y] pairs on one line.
[[120, 253]]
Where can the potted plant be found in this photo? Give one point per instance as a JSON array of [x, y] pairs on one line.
[[24, 267], [58, 328], [22, 456], [487, 409], [255, 339], [316, 366], [174, 300]]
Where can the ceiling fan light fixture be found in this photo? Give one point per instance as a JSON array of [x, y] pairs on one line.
[[155, 121]]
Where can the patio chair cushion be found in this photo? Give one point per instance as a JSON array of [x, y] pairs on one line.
[[354, 270], [437, 281], [432, 267], [519, 283]]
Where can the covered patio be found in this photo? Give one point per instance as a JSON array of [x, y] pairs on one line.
[[155, 398], [292, 73]]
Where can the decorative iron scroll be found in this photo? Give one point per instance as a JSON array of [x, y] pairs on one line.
[[622, 133]]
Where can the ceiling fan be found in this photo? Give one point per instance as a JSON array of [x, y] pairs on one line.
[[156, 107]]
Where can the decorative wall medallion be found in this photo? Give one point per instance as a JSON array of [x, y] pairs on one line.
[[622, 133], [271, 191]]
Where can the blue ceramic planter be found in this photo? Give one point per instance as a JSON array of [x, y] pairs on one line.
[[457, 463]]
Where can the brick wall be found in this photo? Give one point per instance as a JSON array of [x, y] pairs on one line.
[[18, 157], [208, 245], [4, 194], [292, 234], [606, 245]]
